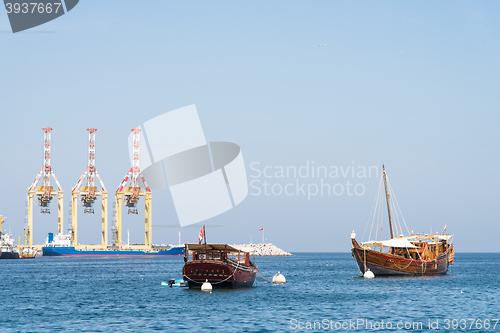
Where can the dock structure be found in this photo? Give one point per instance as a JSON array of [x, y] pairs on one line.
[[45, 192], [129, 196], [88, 195]]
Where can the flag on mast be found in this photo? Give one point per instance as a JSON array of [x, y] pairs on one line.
[[261, 229], [202, 235], [444, 227]]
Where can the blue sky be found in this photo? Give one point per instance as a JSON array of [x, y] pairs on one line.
[[412, 85]]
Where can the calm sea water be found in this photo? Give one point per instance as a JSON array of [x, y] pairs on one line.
[[125, 294]]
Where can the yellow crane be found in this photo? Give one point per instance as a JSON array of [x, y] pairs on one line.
[[130, 196], [89, 194], [45, 192]]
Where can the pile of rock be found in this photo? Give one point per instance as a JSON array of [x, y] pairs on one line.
[[263, 250]]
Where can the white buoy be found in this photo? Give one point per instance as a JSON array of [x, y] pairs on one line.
[[369, 274], [279, 278], [353, 235], [206, 286]]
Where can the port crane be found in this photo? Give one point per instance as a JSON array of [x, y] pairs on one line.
[[88, 194], [45, 192], [130, 196]]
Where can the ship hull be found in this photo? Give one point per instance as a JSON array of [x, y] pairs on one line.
[[9, 255], [219, 274], [70, 251], [383, 264]]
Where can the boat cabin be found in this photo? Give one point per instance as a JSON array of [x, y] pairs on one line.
[[416, 247], [215, 252]]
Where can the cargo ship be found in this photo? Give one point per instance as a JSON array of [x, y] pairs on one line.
[[61, 246], [7, 249]]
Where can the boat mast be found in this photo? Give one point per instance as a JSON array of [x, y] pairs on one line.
[[205, 238], [387, 199]]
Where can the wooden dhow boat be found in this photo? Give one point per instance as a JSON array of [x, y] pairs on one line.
[[416, 254], [222, 265]]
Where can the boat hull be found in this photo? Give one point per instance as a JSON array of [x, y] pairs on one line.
[[9, 255], [219, 274], [383, 264], [70, 251]]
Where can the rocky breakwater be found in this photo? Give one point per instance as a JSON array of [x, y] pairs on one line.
[[263, 250]]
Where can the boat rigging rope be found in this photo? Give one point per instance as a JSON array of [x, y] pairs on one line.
[[187, 277], [380, 215], [406, 265], [396, 205], [262, 276], [374, 211]]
